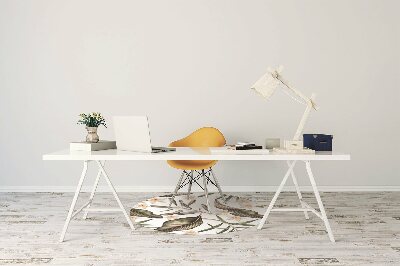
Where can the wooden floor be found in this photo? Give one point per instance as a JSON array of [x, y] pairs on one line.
[[366, 226]]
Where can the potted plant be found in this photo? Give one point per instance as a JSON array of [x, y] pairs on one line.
[[92, 121]]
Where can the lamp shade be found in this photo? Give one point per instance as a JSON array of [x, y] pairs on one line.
[[267, 84]]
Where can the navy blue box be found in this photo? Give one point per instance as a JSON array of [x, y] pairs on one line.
[[318, 142]]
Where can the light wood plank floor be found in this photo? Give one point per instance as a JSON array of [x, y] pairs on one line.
[[366, 226]]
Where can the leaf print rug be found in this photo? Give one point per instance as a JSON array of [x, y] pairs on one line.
[[188, 215]]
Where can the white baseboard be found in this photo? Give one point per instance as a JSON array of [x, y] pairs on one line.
[[195, 189]]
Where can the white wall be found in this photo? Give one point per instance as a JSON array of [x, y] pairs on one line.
[[188, 64]]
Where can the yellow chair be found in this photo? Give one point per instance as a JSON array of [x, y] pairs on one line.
[[193, 170]]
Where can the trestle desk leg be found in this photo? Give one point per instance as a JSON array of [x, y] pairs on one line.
[[96, 182], [71, 209], [298, 191], [115, 195], [320, 205], [278, 191]]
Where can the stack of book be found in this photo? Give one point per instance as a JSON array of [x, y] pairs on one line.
[[98, 146], [247, 146]]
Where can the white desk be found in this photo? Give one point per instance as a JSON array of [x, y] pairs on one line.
[[100, 157]]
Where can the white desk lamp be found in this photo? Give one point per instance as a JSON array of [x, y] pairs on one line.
[[266, 86]]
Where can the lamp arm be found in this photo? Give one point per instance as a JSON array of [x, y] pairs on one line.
[[297, 92], [310, 105], [301, 98]]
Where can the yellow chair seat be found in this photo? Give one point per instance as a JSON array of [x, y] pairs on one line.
[[203, 137], [191, 165]]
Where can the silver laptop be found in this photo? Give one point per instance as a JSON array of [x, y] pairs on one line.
[[132, 133]]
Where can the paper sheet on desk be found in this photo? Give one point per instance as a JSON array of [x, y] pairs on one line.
[[226, 150]]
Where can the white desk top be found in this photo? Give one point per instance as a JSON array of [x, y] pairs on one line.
[[189, 154]]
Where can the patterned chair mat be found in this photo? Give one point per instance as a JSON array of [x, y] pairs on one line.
[[189, 215]]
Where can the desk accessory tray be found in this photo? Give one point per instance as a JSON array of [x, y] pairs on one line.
[[293, 151]]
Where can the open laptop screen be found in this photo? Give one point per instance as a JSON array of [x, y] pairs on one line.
[[132, 133]]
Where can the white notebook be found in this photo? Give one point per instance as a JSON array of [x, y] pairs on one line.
[[86, 146]]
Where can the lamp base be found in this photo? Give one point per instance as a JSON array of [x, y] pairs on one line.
[[293, 151]]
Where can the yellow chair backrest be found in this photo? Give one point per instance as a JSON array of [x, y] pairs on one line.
[[203, 137]]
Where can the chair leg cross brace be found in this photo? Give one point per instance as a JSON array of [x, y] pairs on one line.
[[193, 176], [86, 206], [304, 206]]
